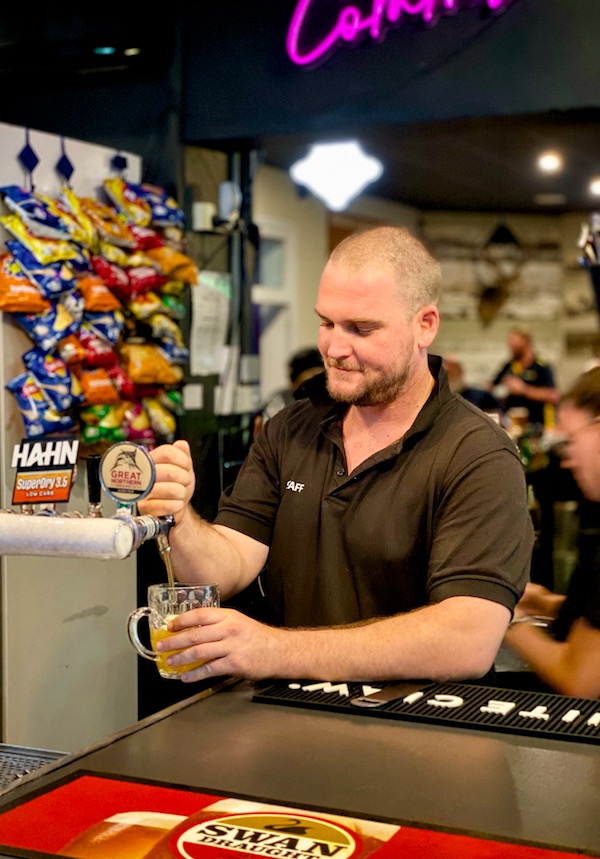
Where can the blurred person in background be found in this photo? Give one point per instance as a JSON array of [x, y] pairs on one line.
[[528, 381], [565, 656], [481, 398], [302, 366]]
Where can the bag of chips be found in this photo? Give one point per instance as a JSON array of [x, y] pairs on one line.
[[108, 223], [34, 213], [52, 377], [52, 279], [88, 235], [145, 364], [96, 295], [17, 293], [164, 210], [97, 387], [174, 265], [39, 417], [44, 250], [126, 200], [47, 329]]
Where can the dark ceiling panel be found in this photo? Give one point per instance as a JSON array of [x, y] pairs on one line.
[[482, 164]]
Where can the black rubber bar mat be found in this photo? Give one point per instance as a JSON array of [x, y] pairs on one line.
[[487, 708]]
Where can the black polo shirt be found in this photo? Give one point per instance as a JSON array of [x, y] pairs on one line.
[[441, 512], [539, 375]]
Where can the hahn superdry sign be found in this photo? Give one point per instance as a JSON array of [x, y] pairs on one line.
[[313, 35], [44, 470]]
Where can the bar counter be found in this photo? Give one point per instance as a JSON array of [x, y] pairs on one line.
[[501, 785]]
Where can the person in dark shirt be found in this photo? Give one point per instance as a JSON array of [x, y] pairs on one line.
[[388, 523], [528, 380], [566, 657], [481, 398], [302, 366]]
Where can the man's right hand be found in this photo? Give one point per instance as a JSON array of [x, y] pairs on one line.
[[175, 482]]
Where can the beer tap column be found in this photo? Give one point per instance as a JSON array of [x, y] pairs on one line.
[[127, 475], [126, 472], [94, 489]]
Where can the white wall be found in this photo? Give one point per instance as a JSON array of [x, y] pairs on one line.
[[482, 348], [306, 221], [554, 297]]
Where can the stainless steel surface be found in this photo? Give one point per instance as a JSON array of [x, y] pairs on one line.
[[18, 761], [68, 536], [502, 785]]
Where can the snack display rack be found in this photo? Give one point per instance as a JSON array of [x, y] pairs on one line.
[[75, 609]]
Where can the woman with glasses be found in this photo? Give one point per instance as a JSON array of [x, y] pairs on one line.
[[558, 636]]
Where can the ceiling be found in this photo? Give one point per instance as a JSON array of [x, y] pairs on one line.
[[482, 164], [476, 164]]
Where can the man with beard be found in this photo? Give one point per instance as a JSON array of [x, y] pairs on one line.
[[528, 380], [389, 528]]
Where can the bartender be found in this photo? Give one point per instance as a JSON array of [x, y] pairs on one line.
[[389, 529]]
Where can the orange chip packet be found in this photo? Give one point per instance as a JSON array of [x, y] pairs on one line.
[[71, 350], [107, 221], [97, 387], [96, 295], [174, 265], [17, 293], [145, 364]]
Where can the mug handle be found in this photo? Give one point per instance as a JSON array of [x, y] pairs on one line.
[[132, 632]]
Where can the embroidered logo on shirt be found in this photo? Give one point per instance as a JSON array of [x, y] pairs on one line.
[[295, 487]]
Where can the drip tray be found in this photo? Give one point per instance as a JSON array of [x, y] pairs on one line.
[[18, 761]]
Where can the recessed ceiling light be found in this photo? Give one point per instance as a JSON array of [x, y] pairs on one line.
[[550, 199], [132, 52], [595, 187], [550, 162]]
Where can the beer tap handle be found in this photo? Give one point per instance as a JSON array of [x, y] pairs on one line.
[[93, 486]]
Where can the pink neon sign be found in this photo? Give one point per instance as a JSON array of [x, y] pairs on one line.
[[351, 24]]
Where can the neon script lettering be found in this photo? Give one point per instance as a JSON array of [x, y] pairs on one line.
[[351, 24]]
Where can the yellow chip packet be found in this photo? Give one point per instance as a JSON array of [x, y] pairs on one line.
[[135, 209], [44, 250]]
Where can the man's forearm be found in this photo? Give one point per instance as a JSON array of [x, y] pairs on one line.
[[439, 642], [541, 395], [201, 552]]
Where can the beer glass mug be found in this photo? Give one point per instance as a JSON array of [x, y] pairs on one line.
[[518, 418], [164, 603]]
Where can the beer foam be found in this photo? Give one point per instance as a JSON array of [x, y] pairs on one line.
[[157, 819]]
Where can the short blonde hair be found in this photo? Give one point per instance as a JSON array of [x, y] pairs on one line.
[[416, 272]]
